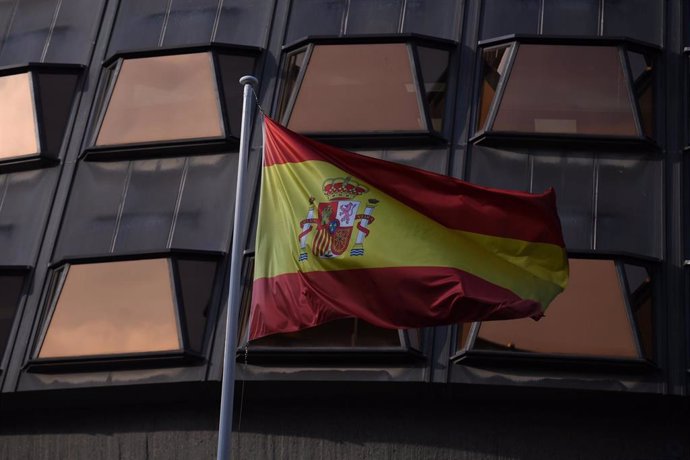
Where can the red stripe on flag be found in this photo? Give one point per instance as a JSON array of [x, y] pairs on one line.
[[385, 297], [451, 202]]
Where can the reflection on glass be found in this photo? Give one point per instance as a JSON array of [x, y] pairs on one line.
[[495, 63], [640, 289], [590, 318], [196, 286], [18, 130], [10, 290], [347, 332], [294, 66], [642, 68], [358, 88], [163, 98], [567, 90], [113, 308], [434, 65]]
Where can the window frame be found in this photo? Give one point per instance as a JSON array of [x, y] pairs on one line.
[[184, 356], [466, 354], [45, 156], [284, 103], [111, 68], [485, 135]]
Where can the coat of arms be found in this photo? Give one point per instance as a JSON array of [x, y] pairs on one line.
[[336, 220]]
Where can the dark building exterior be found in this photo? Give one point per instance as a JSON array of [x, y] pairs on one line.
[[119, 134]]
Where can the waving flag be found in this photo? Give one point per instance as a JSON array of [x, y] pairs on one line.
[[343, 235]]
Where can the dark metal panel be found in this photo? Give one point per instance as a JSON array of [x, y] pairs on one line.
[[23, 212], [436, 18], [149, 204], [244, 22], [204, 217], [570, 17], [7, 8], [629, 205], [373, 16], [639, 19], [139, 25], [499, 168], [74, 32], [315, 17], [502, 18], [56, 92], [90, 220], [190, 22], [571, 174], [29, 31]]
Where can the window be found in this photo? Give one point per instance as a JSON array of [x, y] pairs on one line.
[[568, 88], [33, 116], [605, 312], [11, 286], [340, 88], [153, 99], [127, 308]]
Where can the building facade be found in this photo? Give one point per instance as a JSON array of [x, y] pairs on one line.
[[119, 137]]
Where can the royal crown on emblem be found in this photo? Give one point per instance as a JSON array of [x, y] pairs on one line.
[[340, 188]]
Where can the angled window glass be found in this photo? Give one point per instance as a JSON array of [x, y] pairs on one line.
[[10, 292], [495, 62], [365, 88], [18, 126], [113, 308], [606, 311], [162, 99], [567, 89], [642, 72]]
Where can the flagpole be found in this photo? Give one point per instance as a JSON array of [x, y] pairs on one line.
[[234, 295]]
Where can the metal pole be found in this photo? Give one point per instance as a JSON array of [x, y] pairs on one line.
[[228, 385]]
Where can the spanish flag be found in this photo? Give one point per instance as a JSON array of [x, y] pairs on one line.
[[343, 235]]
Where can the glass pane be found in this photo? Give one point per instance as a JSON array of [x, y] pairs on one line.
[[24, 209], [642, 68], [500, 168], [163, 98], [18, 130], [244, 22], [567, 90], [641, 304], [590, 318], [358, 88], [29, 30], [463, 334], [434, 65], [196, 286], [347, 332], [639, 19], [292, 70], [571, 17], [629, 205], [138, 25], [437, 18], [495, 63], [75, 31], [522, 17], [430, 160], [113, 308], [149, 205], [10, 290], [190, 22], [315, 17], [56, 93], [373, 16]]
